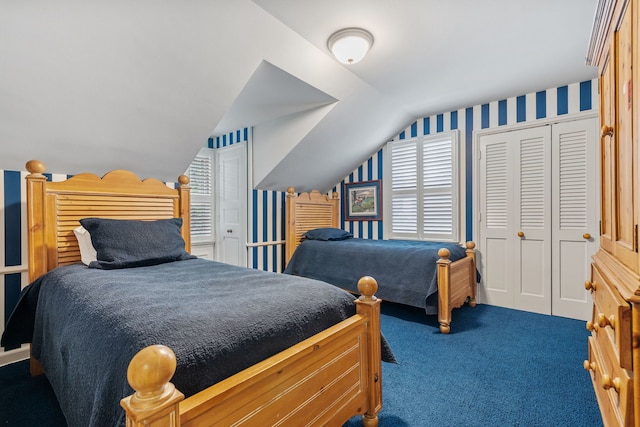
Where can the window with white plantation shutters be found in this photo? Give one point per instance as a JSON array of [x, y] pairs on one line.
[[200, 175], [424, 187]]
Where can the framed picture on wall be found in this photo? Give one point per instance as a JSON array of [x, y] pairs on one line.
[[362, 201]]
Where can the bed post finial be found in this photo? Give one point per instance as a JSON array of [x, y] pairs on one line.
[[290, 191], [155, 399], [183, 180], [36, 167], [367, 286]]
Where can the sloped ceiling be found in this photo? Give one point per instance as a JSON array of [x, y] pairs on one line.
[[141, 85]]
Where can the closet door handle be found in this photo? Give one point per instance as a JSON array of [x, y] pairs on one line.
[[586, 236], [520, 234]]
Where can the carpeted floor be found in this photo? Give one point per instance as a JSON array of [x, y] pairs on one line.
[[498, 367]]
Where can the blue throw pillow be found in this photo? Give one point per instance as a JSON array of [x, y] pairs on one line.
[[327, 234], [133, 243]]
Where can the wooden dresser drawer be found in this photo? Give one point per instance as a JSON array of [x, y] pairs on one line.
[[612, 384], [611, 317]]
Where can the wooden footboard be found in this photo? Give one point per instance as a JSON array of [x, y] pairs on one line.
[[456, 284], [324, 380]]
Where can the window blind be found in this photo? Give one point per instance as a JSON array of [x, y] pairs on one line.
[[200, 174], [424, 190]]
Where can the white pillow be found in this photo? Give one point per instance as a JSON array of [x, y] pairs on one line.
[[87, 251]]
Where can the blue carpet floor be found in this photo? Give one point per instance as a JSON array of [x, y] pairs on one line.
[[498, 367]]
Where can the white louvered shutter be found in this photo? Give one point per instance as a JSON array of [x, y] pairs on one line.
[[496, 192], [532, 184], [404, 189], [200, 174], [424, 188], [572, 182], [438, 180]]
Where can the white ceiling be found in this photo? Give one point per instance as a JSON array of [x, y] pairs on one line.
[[434, 56], [141, 85]]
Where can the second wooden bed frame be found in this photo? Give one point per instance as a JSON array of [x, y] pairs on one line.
[[324, 380], [456, 280]]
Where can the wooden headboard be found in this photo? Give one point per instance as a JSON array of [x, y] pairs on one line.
[[306, 212], [54, 210]]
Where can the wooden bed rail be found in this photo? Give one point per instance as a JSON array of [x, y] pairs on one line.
[[348, 351]]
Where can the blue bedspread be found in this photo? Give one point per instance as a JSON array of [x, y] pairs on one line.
[[405, 269], [218, 319]]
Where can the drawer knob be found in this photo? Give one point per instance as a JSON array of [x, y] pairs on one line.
[[589, 285], [608, 383], [604, 321], [592, 326], [520, 233], [606, 130], [589, 366]]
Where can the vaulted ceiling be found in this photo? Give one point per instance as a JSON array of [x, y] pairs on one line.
[[141, 85]]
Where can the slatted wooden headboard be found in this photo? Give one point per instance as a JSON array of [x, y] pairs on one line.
[[306, 212], [55, 208]]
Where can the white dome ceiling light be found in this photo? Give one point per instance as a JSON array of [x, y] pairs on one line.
[[350, 45]]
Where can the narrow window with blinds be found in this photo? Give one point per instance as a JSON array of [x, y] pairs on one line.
[[200, 175], [424, 187]]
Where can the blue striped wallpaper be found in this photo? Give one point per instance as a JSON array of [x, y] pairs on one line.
[[546, 104]]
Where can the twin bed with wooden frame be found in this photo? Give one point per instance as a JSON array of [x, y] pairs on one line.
[[323, 380], [456, 280]]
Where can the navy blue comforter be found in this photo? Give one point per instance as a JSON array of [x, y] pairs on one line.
[[404, 269], [86, 324]]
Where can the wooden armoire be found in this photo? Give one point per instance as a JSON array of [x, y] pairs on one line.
[[614, 343]]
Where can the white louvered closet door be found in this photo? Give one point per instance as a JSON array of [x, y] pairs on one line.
[[496, 210], [515, 219], [575, 224]]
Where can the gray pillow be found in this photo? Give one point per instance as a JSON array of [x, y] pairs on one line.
[[134, 243], [327, 234]]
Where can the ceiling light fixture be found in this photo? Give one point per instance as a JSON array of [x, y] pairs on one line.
[[350, 45]]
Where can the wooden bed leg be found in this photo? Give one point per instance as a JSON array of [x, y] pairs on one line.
[[471, 253], [35, 368], [367, 304], [155, 401], [444, 290]]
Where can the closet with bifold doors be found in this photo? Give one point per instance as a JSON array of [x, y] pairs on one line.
[[538, 215]]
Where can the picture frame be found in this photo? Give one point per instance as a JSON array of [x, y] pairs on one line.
[[363, 201]]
